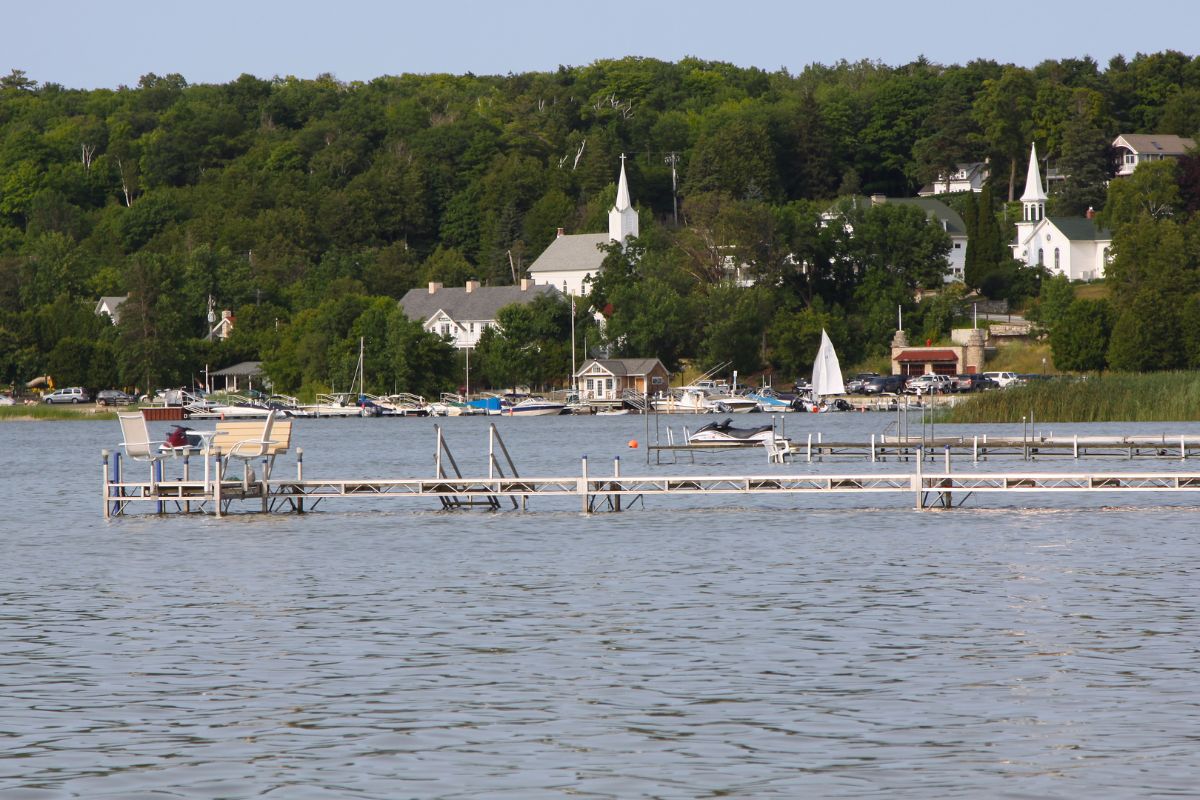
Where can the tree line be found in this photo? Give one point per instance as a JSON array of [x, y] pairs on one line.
[[308, 207]]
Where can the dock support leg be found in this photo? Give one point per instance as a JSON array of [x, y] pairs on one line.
[[156, 469], [217, 486], [918, 481], [104, 481], [617, 482], [583, 488], [300, 478]]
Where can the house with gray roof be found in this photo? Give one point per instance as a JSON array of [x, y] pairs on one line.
[[608, 378], [964, 178], [1137, 148], [463, 313], [936, 212], [572, 261], [111, 307], [1070, 246]]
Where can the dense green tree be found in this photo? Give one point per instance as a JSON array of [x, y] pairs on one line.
[[1080, 341], [1085, 161]]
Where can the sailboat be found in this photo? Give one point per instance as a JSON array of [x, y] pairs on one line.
[[827, 378]]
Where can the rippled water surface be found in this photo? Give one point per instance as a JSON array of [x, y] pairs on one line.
[[744, 648]]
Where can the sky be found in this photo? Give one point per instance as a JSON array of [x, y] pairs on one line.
[[109, 44]]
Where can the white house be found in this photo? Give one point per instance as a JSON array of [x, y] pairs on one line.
[[965, 178], [572, 260], [1070, 246], [609, 378], [1135, 148], [937, 213], [111, 307], [464, 313]]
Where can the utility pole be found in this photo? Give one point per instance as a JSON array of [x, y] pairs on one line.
[[673, 160]]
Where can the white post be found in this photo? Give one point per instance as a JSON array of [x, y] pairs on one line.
[[491, 451], [947, 458], [918, 479], [872, 448], [809, 452], [975, 449], [583, 485], [104, 480], [437, 456]]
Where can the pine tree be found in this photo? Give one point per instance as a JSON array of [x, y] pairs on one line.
[[971, 258]]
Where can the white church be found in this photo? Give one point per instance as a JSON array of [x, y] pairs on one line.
[[1070, 246], [573, 260]]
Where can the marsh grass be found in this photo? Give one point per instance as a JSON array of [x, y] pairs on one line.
[[42, 411], [1120, 397]]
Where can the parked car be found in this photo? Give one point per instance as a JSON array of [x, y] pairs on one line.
[[929, 384], [113, 397], [886, 384], [983, 383], [1004, 379], [69, 394], [856, 384]]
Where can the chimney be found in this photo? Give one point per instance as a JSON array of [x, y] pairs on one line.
[[561, 233], [472, 286], [526, 284], [878, 199], [433, 287], [1091, 213]]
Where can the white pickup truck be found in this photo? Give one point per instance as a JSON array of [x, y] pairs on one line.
[[1004, 379]]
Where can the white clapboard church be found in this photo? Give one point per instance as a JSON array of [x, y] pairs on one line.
[[573, 260], [1070, 246]]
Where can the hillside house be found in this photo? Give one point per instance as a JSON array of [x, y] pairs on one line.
[[464, 313]]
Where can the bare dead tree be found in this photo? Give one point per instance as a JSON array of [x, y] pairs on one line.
[[86, 152], [128, 182], [579, 155]]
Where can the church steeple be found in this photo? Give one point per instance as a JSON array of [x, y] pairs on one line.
[[1034, 199], [622, 218]]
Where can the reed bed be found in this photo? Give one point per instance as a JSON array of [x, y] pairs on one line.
[[1116, 397], [46, 412]]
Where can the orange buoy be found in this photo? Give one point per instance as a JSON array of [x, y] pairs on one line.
[[633, 444]]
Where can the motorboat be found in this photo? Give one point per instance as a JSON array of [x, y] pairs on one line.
[[772, 401], [534, 406], [700, 400], [725, 434], [454, 405]]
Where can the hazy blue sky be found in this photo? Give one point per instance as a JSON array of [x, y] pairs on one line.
[[85, 45]]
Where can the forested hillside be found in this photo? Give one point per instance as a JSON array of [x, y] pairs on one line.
[[308, 206]]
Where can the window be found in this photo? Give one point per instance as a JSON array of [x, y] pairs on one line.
[[958, 245], [1041, 257], [1130, 158], [1056, 263]]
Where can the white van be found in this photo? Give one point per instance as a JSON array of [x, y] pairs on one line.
[[1004, 379]]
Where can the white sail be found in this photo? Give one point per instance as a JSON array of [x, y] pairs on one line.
[[827, 373]]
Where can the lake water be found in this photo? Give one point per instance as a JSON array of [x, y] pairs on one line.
[[1030, 647]]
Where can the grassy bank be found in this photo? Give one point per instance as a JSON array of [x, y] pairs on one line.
[[41, 411], [1154, 397]]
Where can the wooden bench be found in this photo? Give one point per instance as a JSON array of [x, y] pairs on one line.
[[250, 439]]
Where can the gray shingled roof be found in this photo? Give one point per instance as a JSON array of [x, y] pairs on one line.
[[245, 368], [480, 305], [1165, 143], [1080, 229], [571, 252], [622, 366], [944, 213], [113, 304]]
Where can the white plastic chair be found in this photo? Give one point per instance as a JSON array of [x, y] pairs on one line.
[[137, 443]]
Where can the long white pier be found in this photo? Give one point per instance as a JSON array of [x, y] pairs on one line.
[[219, 495]]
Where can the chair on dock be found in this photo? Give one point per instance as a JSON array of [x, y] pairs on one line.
[[250, 440], [138, 446]]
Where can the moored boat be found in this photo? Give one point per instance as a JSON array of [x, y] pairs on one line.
[[725, 434]]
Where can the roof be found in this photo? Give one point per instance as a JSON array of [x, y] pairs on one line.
[[111, 305], [923, 354], [624, 366], [571, 252], [251, 368], [936, 208], [1164, 143], [482, 303], [932, 208], [1080, 229]]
